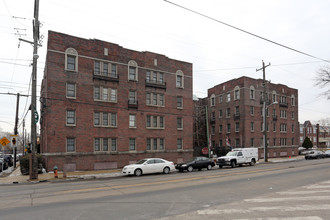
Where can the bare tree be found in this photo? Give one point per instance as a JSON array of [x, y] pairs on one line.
[[323, 79]]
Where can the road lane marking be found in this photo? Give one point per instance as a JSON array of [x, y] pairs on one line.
[[290, 218], [264, 209], [286, 199], [303, 192]]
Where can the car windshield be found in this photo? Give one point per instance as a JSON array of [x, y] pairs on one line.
[[141, 161], [232, 153], [191, 160]]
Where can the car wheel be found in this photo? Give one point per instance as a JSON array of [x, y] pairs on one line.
[[220, 166], [252, 162], [190, 168], [166, 170], [209, 167], [138, 172], [233, 163]]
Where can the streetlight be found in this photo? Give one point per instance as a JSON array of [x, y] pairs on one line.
[[265, 128]]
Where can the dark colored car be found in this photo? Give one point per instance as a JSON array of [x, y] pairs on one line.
[[9, 159], [196, 163], [314, 154], [5, 165]]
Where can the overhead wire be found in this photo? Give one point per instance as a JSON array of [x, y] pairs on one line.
[[247, 32]]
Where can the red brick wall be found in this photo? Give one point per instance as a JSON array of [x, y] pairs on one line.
[[246, 118], [53, 127]]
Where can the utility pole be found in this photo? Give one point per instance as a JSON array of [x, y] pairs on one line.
[[23, 137], [207, 131], [264, 109], [15, 128], [34, 113]]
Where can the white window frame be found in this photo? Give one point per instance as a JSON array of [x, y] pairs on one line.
[[132, 141], [132, 121], [111, 94], [110, 119], [252, 92], [179, 83], [67, 90], [179, 144], [134, 65], [181, 101], [68, 118], [73, 53], [67, 144], [157, 120], [179, 122], [236, 93]]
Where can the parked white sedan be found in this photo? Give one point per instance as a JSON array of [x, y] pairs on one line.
[[149, 165]]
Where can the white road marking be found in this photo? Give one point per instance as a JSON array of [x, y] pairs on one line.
[[290, 218], [304, 192], [286, 199], [264, 209]]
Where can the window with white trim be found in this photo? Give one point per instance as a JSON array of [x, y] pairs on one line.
[[105, 119], [179, 102], [179, 122], [212, 101], [252, 126], [70, 90], [132, 144], [237, 127], [228, 97], [155, 122], [155, 77], [132, 121], [179, 144], [132, 71], [105, 69], [252, 92], [236, 93], [70, 144], [283, 128], [251, 110], [179, 79], [105, 144], [105, 94], [70, 117], [71, 60], [155, 99], [155, 144]]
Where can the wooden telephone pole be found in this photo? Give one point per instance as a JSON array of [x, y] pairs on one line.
[[264, 109]]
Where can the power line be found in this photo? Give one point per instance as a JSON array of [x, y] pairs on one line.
[[247, 32]]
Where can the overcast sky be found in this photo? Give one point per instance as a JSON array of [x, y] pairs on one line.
[[219, 53]]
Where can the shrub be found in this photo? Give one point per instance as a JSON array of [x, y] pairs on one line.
[[25, 164], [307, 143]]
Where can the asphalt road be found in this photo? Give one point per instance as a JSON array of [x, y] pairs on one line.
[[239, 193]]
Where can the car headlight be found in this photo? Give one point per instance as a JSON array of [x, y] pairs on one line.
[[184, 165], [227, 159]]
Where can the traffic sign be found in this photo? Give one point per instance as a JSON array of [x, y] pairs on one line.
[[205, 150], [4, 141]]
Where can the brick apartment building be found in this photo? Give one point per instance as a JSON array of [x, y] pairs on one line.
[[104, 106], [318, 134], [236, 116]]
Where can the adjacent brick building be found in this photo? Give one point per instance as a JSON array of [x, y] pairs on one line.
[[235, 116], [318, 134], [104, 106]]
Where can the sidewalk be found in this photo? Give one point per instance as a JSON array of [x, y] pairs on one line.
[[14, 176]]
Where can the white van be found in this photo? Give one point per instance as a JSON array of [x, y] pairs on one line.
[[239, 156]]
